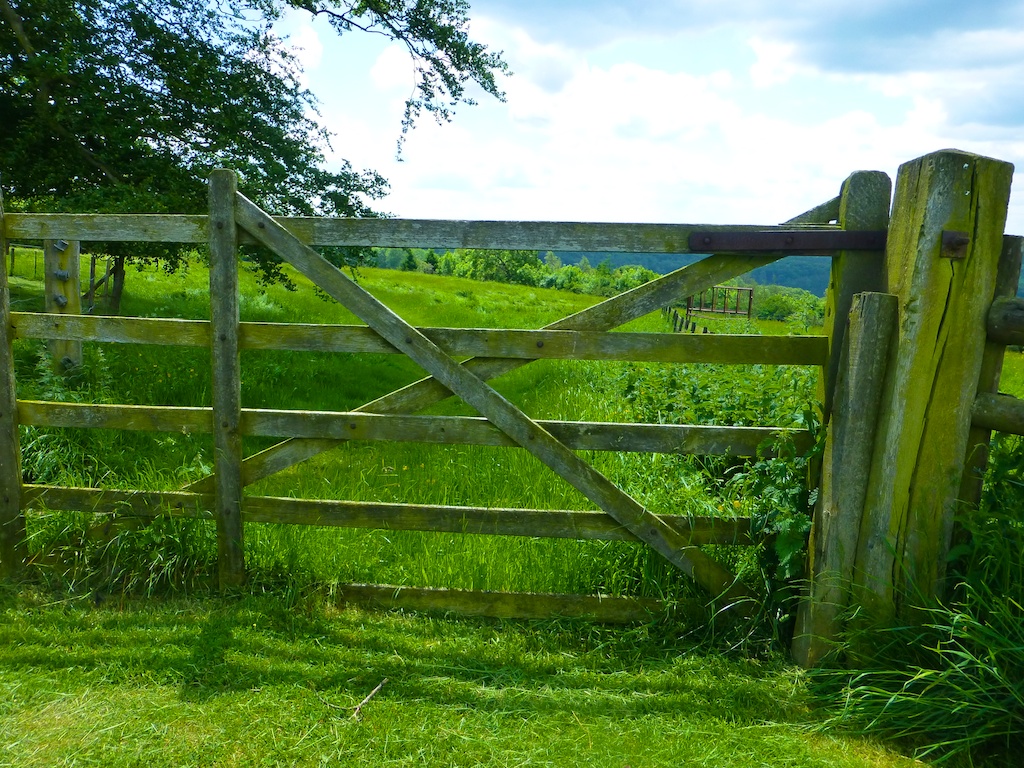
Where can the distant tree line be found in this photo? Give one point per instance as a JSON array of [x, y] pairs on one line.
[[771, 302], [520, 268]]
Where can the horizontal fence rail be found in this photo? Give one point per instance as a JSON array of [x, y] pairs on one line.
[[445, 430], [482, 342], [489, 521], [390, 233]]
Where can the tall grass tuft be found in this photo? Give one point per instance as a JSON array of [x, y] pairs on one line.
[[953, 685]]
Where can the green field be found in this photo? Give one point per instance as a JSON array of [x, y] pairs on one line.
[[116, 653]]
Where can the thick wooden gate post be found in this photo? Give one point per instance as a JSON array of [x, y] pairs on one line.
[[226, 375], [855, 331], [942, 256], [845, 473], [62, 281], [12, 519]]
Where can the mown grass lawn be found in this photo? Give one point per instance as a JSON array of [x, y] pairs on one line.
[[274, 679]]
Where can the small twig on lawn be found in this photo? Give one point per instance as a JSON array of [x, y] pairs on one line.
[[355, 714]]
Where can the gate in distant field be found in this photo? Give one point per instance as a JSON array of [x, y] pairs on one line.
[[858, 377]]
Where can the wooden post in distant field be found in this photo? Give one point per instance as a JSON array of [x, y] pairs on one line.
[[61, 267], [941, 262], [226, 375], [12, 519]]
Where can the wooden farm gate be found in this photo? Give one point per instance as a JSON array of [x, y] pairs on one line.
[[851, 229]]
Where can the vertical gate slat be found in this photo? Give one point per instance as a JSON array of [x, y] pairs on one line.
[[226, 377], [12, 519]]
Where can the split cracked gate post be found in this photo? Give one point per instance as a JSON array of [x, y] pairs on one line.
[[906, 379]]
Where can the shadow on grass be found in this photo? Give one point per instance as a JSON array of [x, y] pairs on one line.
[[207, 648]]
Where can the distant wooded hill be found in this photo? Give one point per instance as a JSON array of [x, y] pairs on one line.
[[807, 272]]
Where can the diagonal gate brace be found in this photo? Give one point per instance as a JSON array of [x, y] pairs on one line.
[[646, 526], [611, 313]]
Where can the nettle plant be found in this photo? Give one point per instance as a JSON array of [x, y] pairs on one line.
[[773, 487]]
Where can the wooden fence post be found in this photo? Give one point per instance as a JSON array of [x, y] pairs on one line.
[[62, 281], [941, 261], [988, 382], [863, 205], [844, 474], [12, 519], [226, 377]]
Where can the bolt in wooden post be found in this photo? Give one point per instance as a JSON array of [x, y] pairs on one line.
[[63, 296], [930, 385], [844, 475], [226, 376], [12, 519]]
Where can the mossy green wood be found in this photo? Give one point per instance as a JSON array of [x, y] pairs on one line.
[[63, 295], [845, 471], [1007, 278], [386, 233], [930, 386], [121, 330], [12, 520], [863, 205], [132, 503], [1006, 321], [490, 521], [661, 537], [488, 342], [442, 430], [226, 377], [509, 605], [1003, 413]]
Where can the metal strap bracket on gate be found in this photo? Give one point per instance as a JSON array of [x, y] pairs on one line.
[[824, 242]]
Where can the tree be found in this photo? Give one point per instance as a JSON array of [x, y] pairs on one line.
[[127, 105]]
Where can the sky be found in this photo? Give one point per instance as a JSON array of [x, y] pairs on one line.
[[680, 111]]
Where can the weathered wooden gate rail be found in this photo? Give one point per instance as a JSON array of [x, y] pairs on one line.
[[903, 356]]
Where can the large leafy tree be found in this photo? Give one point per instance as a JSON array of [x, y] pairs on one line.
[[126, 105]]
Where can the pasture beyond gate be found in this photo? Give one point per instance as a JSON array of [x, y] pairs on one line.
[[907, 387]]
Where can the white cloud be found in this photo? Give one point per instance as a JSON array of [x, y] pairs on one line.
[[774, 64], [307, 48], [393, 70]]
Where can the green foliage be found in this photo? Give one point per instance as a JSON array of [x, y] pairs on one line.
[[116, 106], [793, 305], [527, 268]]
